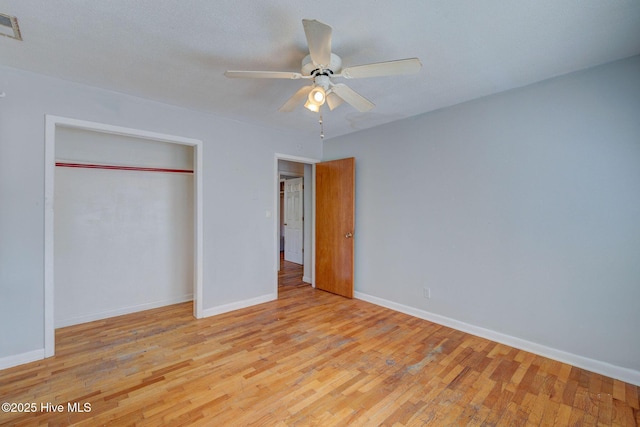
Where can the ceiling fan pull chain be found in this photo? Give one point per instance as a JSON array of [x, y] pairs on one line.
[[321, 127]]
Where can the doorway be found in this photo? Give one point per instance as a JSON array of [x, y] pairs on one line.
[[288, 168], [53, 123]]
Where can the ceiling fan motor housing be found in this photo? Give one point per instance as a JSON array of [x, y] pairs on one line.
[[309, 68]]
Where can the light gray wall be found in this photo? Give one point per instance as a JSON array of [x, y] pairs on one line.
[[238, 190], [289, 168], [521, 212], [83, 146]]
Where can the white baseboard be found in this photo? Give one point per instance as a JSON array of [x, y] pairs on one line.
[[22, 358], [623, 374], [225, 308], [61, 323], [306, 279]]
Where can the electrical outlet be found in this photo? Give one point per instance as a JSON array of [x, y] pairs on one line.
[[427, 293]]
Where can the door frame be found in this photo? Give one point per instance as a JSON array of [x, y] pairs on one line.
[[51, 123], [276, 218]]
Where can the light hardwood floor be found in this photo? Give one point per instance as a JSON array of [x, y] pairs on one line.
[[310, 358]]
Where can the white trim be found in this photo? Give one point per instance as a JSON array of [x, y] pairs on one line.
[[198, 232], [51, 122], [122, 310], [276, 216], [49, 174], [21, 359], [623, 374], [296, 159], [306, 279], [225, 308]]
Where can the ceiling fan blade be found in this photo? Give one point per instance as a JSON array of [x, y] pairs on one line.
[[262, 75], [319, 41], [334, 101], [388, 68], [352, 97], [296, 99]]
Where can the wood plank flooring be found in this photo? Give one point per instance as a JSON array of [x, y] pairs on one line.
[[309, 359]]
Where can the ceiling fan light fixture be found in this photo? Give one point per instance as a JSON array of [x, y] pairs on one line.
[[312, 106], [317, 95], [316, 99]]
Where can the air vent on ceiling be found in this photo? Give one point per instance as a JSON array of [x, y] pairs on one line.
[[9, 26]]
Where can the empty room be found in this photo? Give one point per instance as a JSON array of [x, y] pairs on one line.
[[292, 213]]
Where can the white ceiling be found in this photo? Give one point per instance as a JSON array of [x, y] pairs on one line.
[[176, 51]]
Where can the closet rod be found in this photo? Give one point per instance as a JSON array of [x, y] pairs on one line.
[[124, 168]]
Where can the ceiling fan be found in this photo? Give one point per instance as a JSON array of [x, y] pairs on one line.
[[321, 66]]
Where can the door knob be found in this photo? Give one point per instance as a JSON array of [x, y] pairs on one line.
[[348, 235]]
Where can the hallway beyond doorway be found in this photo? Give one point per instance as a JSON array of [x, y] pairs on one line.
[[290, 274]]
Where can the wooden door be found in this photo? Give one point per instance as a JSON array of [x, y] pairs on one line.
[[293, 220], [335, 221]]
